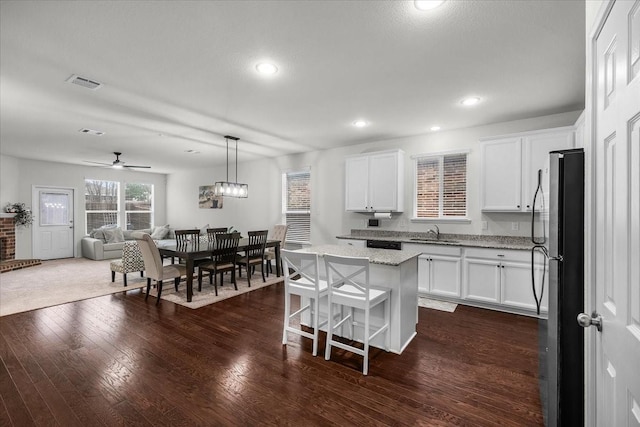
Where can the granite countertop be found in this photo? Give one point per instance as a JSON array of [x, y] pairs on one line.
[[469, 240], [376, 256]]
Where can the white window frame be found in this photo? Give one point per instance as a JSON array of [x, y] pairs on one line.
[[440, 156], [284, 204], [117, 212], [151, 212]]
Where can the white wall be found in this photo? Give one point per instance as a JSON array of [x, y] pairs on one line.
[[262, 209], [20, 175]]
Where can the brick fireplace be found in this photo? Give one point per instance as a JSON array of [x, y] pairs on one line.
[[8, 259], [7, 238]]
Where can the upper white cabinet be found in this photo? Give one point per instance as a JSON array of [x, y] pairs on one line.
[[510, 166], [375, 182]]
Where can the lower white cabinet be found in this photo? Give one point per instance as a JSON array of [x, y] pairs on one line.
[[439, 271], [502, 277]]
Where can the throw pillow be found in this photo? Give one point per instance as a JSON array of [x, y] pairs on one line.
[[160, 233], [203, 230], [98, 234], [114, 235]]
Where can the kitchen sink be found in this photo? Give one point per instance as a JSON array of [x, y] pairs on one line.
[[422, 239]]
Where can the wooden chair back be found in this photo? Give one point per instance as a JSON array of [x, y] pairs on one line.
[[212, 232], [185, 236], [226, 248], [257, 242]]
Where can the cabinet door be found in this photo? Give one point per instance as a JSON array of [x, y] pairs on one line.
[[424, 274], [536, 157], [383, 182], [516, 285], [482, 280], [445, 276], [357, 183], [501, 175]]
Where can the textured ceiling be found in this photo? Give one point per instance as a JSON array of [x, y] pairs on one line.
[[186, 71]]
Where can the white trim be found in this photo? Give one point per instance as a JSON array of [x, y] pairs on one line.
[[440, 153], [527, 133], [458, 220]]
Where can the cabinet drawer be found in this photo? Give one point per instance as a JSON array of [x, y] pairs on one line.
[[499, 254]]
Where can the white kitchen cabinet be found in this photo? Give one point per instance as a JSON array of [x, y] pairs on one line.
[[439, 269], [510, 167], [375, 182], [501, 277]]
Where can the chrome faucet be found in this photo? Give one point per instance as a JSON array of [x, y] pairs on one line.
[[435, 232]]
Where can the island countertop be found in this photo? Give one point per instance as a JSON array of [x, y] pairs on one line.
[[376, 256]]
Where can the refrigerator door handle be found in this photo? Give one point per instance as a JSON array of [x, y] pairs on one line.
[[538, 240], [543, 250]]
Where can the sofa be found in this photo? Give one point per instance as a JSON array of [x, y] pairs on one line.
[[107, 242]]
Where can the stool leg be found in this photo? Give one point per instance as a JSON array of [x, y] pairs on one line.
[[124, 275], [113, 276], [327, 350]]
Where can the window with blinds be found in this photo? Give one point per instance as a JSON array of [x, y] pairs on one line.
[[296, 205], [441, 186]]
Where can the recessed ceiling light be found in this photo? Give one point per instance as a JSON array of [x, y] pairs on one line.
[[427, 4], [192, 151], [360, 123], [435, 128], [91, 131], [469, 101], [266, 68]]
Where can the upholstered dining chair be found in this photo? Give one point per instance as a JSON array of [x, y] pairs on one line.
[[348, 281], [155, 269], [223, 258], [302, 278], [253, 254], [279, 232]]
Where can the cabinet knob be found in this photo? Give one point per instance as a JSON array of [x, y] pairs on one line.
[[528, 206], [518, 206]]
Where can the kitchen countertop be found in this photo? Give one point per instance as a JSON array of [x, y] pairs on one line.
[[468, 240], [376, 256]]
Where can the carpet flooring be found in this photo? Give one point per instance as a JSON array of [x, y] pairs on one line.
[[62, 281]]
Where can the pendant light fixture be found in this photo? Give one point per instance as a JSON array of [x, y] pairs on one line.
[[227, 188]]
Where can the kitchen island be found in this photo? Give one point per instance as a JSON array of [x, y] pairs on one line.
[[389, 269]]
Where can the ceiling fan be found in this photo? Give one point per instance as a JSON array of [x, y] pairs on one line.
[[117, 163]]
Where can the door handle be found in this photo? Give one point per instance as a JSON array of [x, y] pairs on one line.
[[595, 319]]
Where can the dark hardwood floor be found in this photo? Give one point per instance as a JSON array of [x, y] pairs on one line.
[[118, 360]]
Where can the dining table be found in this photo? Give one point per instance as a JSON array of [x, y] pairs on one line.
[[193, 251]]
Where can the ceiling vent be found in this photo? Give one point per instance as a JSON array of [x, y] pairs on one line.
[[91, 132], [84, 82]]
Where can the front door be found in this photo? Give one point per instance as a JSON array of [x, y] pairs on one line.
[[615, 260], [53, 225]]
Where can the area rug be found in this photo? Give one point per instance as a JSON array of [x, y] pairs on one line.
[[207, 295], [437, 305], [60, 281]]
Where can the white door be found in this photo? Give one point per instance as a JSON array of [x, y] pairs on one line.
[[357, 184], [501, 175], [615, 257], [383, 182], [53, 225]]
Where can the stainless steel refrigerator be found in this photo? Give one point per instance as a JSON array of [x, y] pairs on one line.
[[558, 235]]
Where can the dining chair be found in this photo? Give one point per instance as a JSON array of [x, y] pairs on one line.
[[302, 278], [279, 232], [223, 258], [211, 233], [183, 237], [155, 269], [253, 254], [348, 281]]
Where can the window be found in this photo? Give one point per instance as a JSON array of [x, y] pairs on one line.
[[138, 205], [296, 205], [441, 186], [101, 203]]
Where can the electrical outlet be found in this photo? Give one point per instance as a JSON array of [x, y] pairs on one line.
[[515, 226], [485, 225]]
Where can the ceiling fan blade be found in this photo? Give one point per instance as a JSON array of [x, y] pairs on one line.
[[134, 166], [97, 163]]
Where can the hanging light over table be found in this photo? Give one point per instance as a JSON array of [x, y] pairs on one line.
[[227, 188]]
